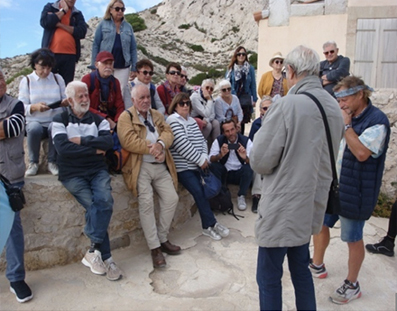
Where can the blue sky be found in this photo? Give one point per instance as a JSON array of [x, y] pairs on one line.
[[20, 30]]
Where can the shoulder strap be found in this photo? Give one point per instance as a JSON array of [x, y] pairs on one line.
[[328, 132], [65, 117], [152, 93], [129, 112], [28, 81], [60, 91]]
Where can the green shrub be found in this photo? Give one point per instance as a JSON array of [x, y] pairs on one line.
[[198, 79], [214, 74], [383, 206], [253, 60], [24, 72], [137, 22], [184, 26], [159, 60], [142, 48], [213, 40], [197, 48], [200, 29], [154, 11], [235, 29]]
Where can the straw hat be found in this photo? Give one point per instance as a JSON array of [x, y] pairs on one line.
[[277, 55]]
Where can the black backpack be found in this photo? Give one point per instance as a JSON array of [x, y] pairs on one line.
[[223, 202]]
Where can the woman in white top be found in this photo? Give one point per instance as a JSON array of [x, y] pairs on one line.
[[203, 110], [38, 91], [227, 105]]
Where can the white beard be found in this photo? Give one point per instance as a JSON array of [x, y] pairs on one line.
[[79, 109]]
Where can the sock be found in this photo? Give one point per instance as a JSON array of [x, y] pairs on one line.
[[318, 266], [94, 246]]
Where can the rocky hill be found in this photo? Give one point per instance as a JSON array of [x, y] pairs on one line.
[[198, 34]]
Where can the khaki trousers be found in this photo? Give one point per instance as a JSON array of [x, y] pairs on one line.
[[157, 177]]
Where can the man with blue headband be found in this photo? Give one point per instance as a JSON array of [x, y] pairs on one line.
[[360, 166]]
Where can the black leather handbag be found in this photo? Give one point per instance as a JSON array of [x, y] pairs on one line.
[[15, 195]]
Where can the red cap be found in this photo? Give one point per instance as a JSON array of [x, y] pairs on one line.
[[104, 56]]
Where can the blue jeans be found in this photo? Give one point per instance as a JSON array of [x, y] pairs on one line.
[[94, 193], [7, 216], [35, 134], [190, 179], [270, 271], [15, 248], [241, 177]]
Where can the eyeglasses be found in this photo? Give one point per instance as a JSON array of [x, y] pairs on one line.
[[173, 72], [278, 62], [145, 72], [184, 103], [329, 52], [184, 77], [118, 9], [209, 88], [241, 54], [228, 89], [150, 126]]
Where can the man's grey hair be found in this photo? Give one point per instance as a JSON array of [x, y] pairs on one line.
[[207, 81], [304, 61], [134, 90], [328, 43], [70, 90]]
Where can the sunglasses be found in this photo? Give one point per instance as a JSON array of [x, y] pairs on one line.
[[209, 88], [185, 77], [278, 62], [184, 103], [264, 108], [228, 89], [118, 9], [241, 54], [150, 126], [145, 72], [173, 72], [329, 52]]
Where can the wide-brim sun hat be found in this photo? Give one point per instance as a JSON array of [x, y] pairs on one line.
[[276, 55]]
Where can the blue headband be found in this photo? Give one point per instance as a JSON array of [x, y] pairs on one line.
[[352, 91]]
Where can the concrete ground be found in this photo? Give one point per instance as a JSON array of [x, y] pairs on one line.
[[208, 275]]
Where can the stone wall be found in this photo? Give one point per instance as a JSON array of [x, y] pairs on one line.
[[53, 221]]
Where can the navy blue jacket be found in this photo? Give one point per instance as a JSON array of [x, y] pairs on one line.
[[360, 181], [335, 71], [243, 140], [48, 21]]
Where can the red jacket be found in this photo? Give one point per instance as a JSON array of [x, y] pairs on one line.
[[115, 103]]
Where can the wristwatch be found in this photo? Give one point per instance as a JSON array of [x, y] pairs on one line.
[[62, 10], [347, 126]]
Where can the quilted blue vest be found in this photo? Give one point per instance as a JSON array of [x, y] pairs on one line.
[[360, 181]]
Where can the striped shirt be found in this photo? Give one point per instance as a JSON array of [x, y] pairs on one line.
[[189, 148], [37, 90], [14, 125]]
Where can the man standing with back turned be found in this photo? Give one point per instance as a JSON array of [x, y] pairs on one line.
[[64, 27], [291, 151]]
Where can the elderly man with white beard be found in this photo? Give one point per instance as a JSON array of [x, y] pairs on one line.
[[81, 139]]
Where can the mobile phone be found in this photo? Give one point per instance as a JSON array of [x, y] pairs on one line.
[[233, 146], [55, 104]]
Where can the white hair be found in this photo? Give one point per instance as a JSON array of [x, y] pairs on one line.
[[328, 43], [303, 61], [134, 90], [224, 83], [207, 81], [70, 90]]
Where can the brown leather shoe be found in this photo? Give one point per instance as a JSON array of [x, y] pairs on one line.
[[158, 258], [170, 249]]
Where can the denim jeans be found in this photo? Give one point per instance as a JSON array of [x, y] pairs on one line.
[[94, 193], [35, 134], [7, 216], [270, 271], [15, 248], [241, 177], [190, 179]]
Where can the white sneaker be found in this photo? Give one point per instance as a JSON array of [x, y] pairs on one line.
[[241, 205], [94, 262], [212, 234], [32, 169], [53, 168], [113, 272], [221, 230]]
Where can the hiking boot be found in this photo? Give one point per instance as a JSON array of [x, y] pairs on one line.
[[158, 258], [170, 249], [241, 205], [32, 169], [221, 230], [320, 272], [94, 262], [345, 293], [255, 202], [53, 168], [113, 272], [212, 234], [384, 246], [21, 290]]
